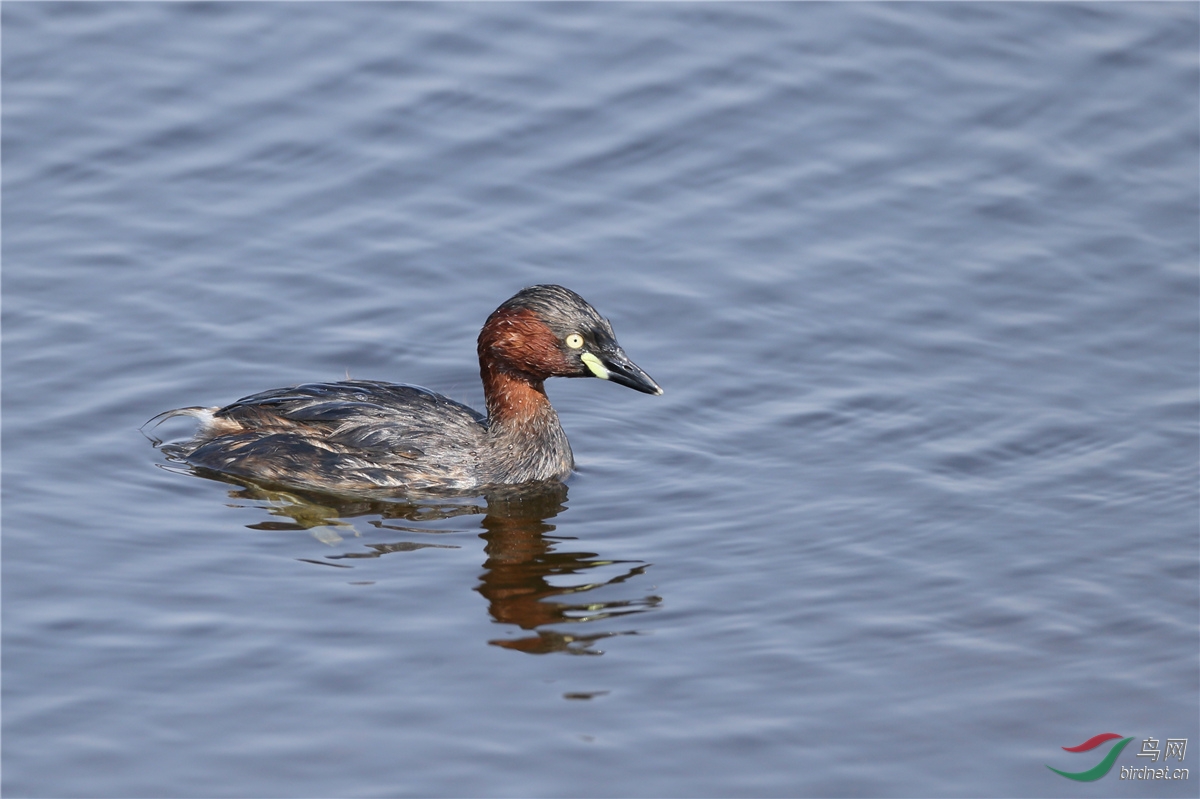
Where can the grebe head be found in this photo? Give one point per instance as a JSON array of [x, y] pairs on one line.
[[550, 331]]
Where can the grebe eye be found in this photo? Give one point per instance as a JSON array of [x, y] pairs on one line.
[[574, 341]]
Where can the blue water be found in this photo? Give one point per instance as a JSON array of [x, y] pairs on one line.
[[919, 505]]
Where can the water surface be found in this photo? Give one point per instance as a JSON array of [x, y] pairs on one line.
[[917, 509]]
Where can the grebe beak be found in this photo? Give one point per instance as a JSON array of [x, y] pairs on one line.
[[613, 364]]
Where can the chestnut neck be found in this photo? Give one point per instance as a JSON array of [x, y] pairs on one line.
[[517, 352], [514, 399]]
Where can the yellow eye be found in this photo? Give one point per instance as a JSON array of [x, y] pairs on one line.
[[574, 341]]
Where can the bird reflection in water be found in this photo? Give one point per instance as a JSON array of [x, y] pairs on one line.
[[526, 581], [524, 577]]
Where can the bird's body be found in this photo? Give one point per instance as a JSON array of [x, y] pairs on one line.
[[362, 434]]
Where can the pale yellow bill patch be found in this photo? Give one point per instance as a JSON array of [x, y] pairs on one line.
[[595, 365]]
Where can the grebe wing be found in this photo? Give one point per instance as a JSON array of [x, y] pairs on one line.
[[332, 402], [351, 433]]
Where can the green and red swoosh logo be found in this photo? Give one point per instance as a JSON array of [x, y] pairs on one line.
[[1101, 768]]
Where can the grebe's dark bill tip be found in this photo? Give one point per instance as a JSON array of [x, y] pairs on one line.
[[619, 369]]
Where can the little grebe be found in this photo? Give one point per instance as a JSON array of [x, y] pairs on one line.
[[366, 434]]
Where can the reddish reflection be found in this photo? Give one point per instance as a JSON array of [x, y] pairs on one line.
[[523, 574]]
